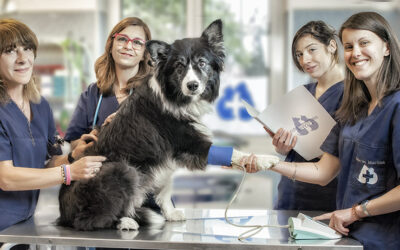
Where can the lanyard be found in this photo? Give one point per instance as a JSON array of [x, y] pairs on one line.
[[96, 114]]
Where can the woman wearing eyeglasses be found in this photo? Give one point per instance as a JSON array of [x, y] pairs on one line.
[[123, 64]]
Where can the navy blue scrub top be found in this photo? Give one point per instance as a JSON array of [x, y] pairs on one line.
[[82, 121], [304, 196], [369, 154], [27, 144]]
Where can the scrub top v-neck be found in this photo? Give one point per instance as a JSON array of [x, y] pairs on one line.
[[26, 144]]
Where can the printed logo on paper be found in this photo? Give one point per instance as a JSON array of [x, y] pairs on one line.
[[304, 125]]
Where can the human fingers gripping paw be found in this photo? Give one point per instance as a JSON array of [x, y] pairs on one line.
[[252, 164], [263, 162]]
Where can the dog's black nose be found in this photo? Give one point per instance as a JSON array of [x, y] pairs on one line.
[[193, 85]]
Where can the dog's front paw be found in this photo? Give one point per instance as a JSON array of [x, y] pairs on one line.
[[127, 223], [175, 215]]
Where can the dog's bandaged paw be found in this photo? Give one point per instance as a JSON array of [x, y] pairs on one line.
[[175, 215], [264, 162], [127, 223]]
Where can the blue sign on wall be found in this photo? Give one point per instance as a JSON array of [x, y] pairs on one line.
[[225, 111]]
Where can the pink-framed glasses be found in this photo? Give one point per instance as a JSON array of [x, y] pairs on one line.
[[122, 39]]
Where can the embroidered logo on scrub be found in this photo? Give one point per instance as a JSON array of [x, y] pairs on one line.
[[367, 175], [305, 125]]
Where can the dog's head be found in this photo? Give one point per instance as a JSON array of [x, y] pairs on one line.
[[188, 70]]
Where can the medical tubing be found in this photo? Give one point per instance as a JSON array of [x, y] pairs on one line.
[[257, 228]]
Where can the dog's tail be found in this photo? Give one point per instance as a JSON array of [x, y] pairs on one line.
[[148, 217]]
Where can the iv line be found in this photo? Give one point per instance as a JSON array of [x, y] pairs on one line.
[[254, 229]]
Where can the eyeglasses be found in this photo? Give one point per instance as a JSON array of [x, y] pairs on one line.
[[122, 39]]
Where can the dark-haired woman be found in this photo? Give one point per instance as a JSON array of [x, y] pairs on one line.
[[363, 149], [315, 52]]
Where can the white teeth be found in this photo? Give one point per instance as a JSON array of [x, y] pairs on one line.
[[359, 63]]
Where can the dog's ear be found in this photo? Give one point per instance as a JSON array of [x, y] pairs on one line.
[[214, 37], [158, 50]]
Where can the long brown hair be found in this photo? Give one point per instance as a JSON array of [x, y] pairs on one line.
[[356, 97], [105, 66], [14, 33], [319, 31]]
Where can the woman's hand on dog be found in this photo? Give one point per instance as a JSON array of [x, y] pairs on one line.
[[109, 119], [83, 143], [86, 167]]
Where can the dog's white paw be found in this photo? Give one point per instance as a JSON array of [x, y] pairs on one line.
[[127, 223], [175, 215]]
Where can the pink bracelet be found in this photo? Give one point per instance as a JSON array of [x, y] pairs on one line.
[[67, 170]]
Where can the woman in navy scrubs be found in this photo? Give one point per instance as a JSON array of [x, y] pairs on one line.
[[29, 154], [363, 149], [122, 66], [315, 52]]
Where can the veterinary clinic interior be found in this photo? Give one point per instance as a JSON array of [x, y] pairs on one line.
[[221, 205]]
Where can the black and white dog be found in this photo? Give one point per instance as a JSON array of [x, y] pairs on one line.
[[156, 131]]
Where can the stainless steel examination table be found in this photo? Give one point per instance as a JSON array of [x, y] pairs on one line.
[[203, 229]]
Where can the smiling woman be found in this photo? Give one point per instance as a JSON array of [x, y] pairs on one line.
[[363, 149], [364, 52], [27, 131]]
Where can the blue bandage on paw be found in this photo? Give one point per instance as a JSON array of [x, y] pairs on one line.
[[218, 155]]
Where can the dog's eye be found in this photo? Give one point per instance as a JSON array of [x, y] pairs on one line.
[[201, 64]]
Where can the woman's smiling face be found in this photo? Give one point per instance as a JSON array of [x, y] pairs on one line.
[[124, 55], [16, 65], [364, 52]]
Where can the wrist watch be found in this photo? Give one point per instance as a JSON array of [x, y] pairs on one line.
[[70, 158], [364, 208]]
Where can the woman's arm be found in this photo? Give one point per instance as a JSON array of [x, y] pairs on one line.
[[387, 203], [14, 178], [321, 172], [340, 219], [18, 178]]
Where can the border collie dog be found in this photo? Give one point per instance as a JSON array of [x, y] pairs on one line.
[[156, 131]]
